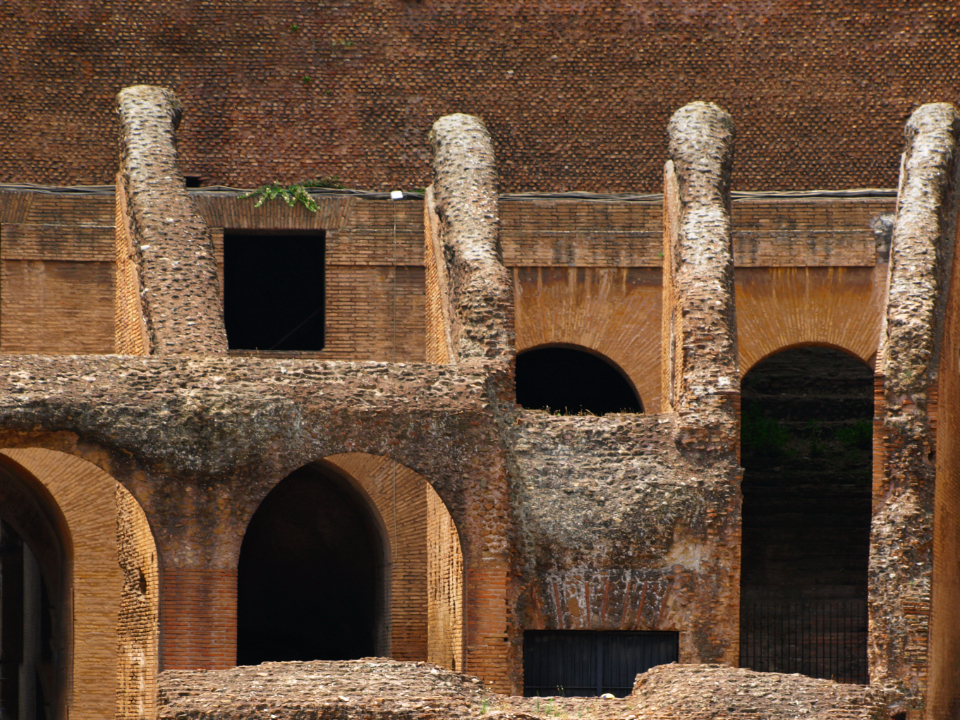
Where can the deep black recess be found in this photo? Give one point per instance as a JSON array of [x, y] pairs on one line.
[[577, 663], [274, 290], [310, 573], [806, 435], [570, 381]]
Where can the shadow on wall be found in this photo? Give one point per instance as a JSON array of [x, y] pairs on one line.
[[573, 381]]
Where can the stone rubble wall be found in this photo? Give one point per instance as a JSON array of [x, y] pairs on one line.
[[466, 199], [901, 545], [163, 231]]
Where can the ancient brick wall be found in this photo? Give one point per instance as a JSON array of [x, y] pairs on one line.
[[444, 587], [576, 94], [904, 509], [138, 624], [375, 298], [56, 273], [399, 497], [943, 694]]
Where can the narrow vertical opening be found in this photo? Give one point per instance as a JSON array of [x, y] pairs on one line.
[[806, 448]]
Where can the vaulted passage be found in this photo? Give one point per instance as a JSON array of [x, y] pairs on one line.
[[33, 614], [806, 450], [311, 573], [571, 381]]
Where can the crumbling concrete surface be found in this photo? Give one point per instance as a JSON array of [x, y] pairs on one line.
[[381, 688]]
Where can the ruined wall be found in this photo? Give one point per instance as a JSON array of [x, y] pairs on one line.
[[468, 224], [138, 624], [633, 523], [298, 89], [444, 587], [85, 496], [901, 550], [172, 250], [943, 689]]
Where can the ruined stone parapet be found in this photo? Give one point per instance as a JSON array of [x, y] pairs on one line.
[[701, 380], [477, 297], [901, 543], [164, 246]]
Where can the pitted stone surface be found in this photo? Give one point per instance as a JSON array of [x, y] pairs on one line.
[[467, 205], [373, 688], [901, 545], [698, 247], [172, 247]]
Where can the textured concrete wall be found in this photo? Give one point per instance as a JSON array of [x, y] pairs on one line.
[[901, 551], [171, 244]]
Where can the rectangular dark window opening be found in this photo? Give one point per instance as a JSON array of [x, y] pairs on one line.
[[273, 290], [578, 663], [191, 181]]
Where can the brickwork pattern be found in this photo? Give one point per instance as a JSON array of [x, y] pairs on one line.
[[86, 497], [198, 614], [130, 326], [56, 274], [399, 497], [138, 625], [944, 675], [902, 533], [444, 587], [296, 89], [375, 293]]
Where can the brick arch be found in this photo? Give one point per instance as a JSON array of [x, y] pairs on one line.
[[781, 308], [425, 594], [869, 362], [596, 353], [613, 312], [113, 586]]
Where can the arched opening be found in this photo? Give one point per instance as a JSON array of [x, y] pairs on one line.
[[806, 446], [573, 381], [35, 554], [310, 573]]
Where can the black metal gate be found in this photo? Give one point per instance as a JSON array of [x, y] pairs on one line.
[[821, 639], [584, 663]]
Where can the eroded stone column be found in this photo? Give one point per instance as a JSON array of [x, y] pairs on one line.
[[902, 532], [169, 244]]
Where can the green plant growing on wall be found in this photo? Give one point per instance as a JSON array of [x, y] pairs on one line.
[[292, 194]]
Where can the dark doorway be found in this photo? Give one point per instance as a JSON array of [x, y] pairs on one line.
[[570, 381], [273, 290], [587, 663], [311, 573], [806, 448]]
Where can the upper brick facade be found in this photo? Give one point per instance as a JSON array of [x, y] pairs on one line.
[[575, 94]]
